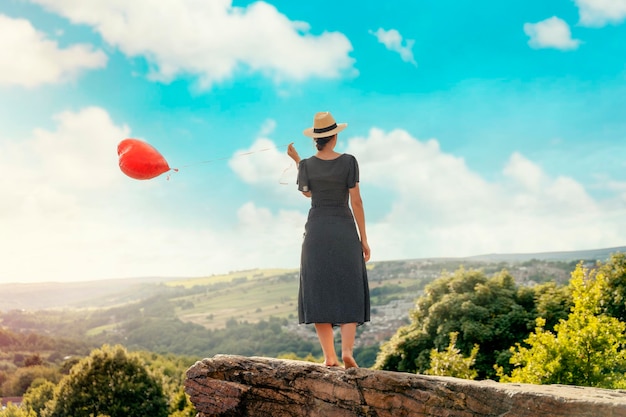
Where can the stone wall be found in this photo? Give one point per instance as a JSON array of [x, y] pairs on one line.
[[240, 386]]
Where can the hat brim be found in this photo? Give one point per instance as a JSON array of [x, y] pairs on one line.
[[312, 134]]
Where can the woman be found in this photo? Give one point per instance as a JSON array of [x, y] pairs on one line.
[[333, 279]]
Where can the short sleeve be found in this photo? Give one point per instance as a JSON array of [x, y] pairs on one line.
[[303, 177], [353, 172]]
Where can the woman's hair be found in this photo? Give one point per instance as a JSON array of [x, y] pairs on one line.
[[321, 142]]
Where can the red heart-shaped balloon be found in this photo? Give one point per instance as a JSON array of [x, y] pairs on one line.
[[139, 160]]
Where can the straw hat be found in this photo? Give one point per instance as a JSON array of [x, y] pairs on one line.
[[324, 125]]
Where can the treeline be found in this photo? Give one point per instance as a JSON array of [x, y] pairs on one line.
[[25, 357], [148, 325], [11, 341], [266, 338], [155, 334], [548, 333], [423, 271], [469, 323], [109, 382]]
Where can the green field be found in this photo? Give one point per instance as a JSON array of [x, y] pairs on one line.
[[230, 277], [243, 296], [250, 296]]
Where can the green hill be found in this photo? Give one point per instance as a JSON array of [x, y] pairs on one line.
[[218, 293], [245, 312]]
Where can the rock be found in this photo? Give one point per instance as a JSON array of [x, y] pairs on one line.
[[240, 386]]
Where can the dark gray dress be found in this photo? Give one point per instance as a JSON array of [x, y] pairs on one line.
[[333, 278]]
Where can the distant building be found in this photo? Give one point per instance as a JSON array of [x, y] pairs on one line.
[[4, 401]]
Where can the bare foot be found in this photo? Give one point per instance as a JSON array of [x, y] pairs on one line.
[[349, 362], [331, 362]]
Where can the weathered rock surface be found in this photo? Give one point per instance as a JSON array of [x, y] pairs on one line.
[[240, 386]]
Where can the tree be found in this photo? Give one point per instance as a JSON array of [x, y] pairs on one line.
[[37, 395], [15, 411], [20, 380], [553, 302], [172, 371], [181, 406], [451, 361], [614, 297], [33, 360], [109, 382], [490, 312], [587, 349]]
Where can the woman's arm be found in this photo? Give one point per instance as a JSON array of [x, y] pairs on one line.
[[293, 154], [359, 216]]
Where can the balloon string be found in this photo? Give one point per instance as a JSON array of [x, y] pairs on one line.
[[171, 169], [281, 181], [233, 156]]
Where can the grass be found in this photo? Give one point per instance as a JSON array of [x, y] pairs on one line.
[[253, 296], [101, 329], [230, 277], [260, 295]]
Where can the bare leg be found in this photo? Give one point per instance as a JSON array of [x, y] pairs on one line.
[[327, 340], [348, 333]]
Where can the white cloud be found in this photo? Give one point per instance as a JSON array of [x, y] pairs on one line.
[[392, 39], [440, 207], [30, 59], [53, 193], [550, 33], [267, 239], [68, 213], [268, 127], [92, 222], [261, 164], [267, 167], [77, 155], [525, 172], [598, 13], [211, 39]]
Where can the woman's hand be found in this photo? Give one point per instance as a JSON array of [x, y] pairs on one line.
[[366, 250], [293, 154]]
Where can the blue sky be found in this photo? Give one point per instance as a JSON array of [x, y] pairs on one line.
[[482, 127]]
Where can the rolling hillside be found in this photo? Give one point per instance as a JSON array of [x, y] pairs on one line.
[[221, 313], [232, 292]]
